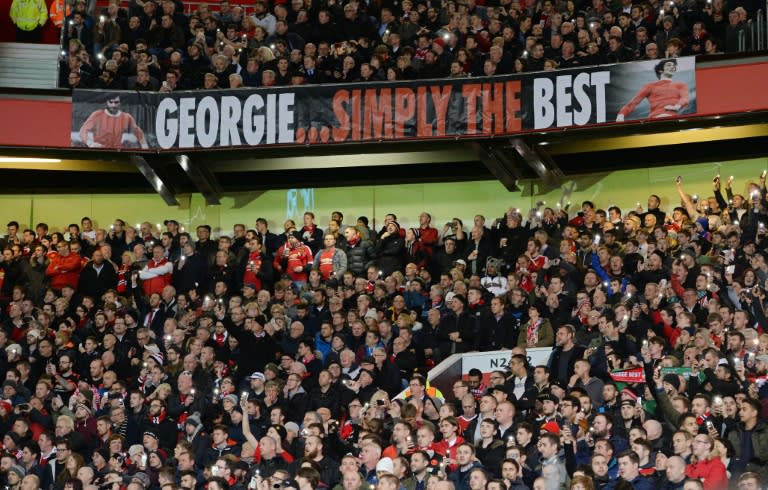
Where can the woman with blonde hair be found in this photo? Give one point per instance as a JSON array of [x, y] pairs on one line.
[[706, 464], [162, 392], [279, 321], [266, 58], [456, 275]]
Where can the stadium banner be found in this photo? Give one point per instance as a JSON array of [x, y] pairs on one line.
[[384, 111], [632, 375]]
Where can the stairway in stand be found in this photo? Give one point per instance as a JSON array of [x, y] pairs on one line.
[[29, 65]]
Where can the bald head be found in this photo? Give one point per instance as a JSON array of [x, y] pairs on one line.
[[676, 469], [652, 429]]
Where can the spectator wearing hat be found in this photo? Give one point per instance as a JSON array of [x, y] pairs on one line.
[[14, 475], [362, 388], [256, 385], [12, 441], [416, 251], [198, 437], [85, 424], [141, 478]]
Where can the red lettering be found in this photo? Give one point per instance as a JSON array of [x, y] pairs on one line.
[[378, 113], [356, 126], [405, 109], [493, 108], [340, 100], [512, 105], [441, 99], [471, 92], [423, 127]]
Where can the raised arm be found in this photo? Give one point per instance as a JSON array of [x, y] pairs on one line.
[[247, 424], [685, 198]]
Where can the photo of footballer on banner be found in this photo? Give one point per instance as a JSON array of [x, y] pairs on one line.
[[109, 125], [669, 90]]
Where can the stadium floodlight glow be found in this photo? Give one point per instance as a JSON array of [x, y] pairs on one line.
[[28, 160]]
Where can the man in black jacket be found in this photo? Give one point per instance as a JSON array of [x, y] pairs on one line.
[[96, 277], [254, 340], [445, 258], [456, 332], [498, 329], [157, 425], [565, 354]]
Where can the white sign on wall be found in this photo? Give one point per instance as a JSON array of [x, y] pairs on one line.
[[490, 361]]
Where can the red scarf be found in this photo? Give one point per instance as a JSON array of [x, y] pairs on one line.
[[533, 329], [122, 278], [157, 420], [701, 419], [354, 241]]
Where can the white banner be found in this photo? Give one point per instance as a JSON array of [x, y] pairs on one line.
[[499, 359]]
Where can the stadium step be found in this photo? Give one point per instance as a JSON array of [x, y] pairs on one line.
[[28, 65]]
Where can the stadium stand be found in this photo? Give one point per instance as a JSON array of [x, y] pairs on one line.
[[141, 357], [199, 45]]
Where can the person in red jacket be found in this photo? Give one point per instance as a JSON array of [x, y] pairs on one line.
[[64, 267], [428, 236], [295, 259], [707, 465], [157, 273]]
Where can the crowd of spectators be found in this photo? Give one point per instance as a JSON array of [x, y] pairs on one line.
[[139, 359], [168, 46]]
